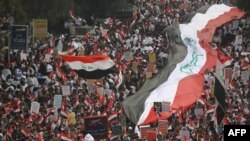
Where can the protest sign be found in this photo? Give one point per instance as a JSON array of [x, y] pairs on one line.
[[144, 131], [158, 106], [19, 37], [128, 56], [35, 106], [163, 126], [244, 75], [66, 90], [117, 129], [97, 126], [72, 118], [152, 57], [40, 28], [165, 106], [58, 101], [23, 56]]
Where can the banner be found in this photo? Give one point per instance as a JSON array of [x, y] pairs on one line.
[[19, 37], [35, 106], [40, 28], [165, 106], [128, 56], [58, 101], [97, 126], [66, 90]]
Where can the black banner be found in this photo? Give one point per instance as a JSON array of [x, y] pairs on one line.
[[19, 37]]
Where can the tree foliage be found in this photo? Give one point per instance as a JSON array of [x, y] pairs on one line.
[[99, 8], [56, 11]]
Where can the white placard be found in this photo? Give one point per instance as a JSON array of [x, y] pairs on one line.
[[165, 106], [23, 56], [35, 106], [66, 90], [57, 101]]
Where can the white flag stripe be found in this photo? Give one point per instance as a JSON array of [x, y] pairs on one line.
[[102, 65]]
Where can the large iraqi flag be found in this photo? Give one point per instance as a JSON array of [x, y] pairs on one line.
[[181, 80], [90, 67]]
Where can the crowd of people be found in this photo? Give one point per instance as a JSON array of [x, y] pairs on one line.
[[39, 74]]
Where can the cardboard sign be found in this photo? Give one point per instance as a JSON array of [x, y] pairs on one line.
[[152, 57], [66, 90], [158, 106], [40, 28], [144, 131], [163, 126], [97, 126], [72, 118], [165, 106], [35, 107], [58, 101], [117, 129]]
